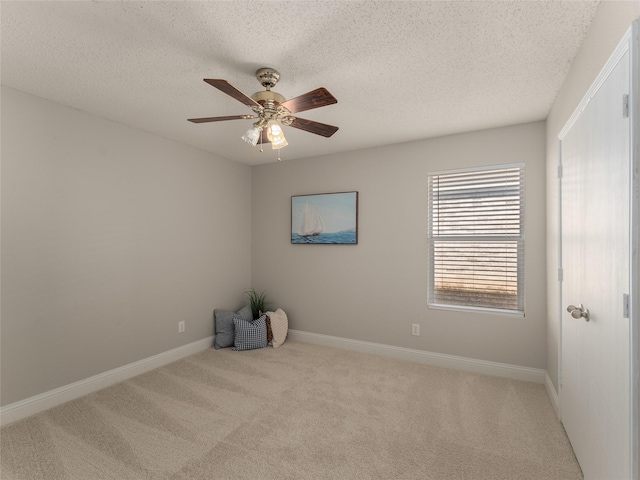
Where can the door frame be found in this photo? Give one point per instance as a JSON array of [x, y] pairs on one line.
[[629, 43]]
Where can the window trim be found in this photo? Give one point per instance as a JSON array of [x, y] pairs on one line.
[[519, 239]]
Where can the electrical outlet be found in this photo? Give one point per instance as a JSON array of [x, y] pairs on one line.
[[181, 327], [415, 329]]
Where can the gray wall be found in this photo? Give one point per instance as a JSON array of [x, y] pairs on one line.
[[612, 20], [110, 236], [375, 290]]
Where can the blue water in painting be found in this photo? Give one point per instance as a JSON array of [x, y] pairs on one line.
[[346, 236]]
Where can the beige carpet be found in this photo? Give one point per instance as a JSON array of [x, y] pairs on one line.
[[297, 412]]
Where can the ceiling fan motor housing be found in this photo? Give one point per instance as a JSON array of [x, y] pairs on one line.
[[269, 100], [267, 96]]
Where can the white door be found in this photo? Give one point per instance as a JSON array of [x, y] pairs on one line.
[[595, 382]]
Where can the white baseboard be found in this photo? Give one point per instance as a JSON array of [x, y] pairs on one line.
[[58, 396], [420, 356], [553, 395]]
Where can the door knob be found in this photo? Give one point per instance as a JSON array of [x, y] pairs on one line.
[[578, 312]]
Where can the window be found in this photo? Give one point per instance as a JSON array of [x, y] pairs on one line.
[[476, 239]]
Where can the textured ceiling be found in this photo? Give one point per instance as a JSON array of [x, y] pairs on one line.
[[400, 70]]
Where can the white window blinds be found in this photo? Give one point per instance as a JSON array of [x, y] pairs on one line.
[[476, 238]]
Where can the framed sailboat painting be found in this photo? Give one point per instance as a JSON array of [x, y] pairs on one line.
[[325, 218]]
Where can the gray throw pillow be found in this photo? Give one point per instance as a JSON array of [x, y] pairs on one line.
[[225, 332]]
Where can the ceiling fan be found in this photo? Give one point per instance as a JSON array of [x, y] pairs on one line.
[[273, 111]]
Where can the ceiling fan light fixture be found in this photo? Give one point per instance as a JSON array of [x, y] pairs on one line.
[[252, 136], [276, 135]]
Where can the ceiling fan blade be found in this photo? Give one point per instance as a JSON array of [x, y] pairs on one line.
[[220, 119], [314, 99], [263, 136], [229, 89], [314, 127]]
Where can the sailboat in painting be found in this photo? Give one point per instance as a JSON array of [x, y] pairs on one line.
[[311, 224]]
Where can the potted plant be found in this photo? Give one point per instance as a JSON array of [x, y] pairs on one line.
[[258, 302]]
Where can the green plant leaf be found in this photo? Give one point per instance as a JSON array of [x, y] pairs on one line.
[[258, 302]]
